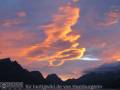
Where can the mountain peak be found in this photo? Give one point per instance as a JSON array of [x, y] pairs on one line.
[[53, 79], [5, 60], [52, 76], [13, 71]]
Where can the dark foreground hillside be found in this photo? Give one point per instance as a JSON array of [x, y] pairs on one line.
[[107, 75]]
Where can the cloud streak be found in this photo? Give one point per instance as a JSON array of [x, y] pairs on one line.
[[11, 22], [112, 18], [59, 30]]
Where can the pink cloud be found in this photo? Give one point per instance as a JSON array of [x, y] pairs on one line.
[[111, 18], [11, 22], [21, 14]]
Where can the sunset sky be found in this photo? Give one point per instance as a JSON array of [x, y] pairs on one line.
[[66, 37]]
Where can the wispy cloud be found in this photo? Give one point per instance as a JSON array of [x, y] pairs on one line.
[[59, 33], [111, 18], [21, 14], [11, 22]]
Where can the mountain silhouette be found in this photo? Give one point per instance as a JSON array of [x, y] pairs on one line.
[[54, 79], [107, 75], [11, 71]]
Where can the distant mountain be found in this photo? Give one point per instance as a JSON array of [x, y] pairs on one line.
[[107, 75], [53, 79]]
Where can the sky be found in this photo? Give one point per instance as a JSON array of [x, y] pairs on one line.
[[65, 37]]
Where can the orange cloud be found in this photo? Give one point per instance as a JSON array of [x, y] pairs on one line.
[[75, 1], [116, 57], [58, 31], [71, 75], [13, 41], [112, 55]]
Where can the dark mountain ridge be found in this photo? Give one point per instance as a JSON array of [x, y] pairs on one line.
[[11, 71], [106, 75]]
